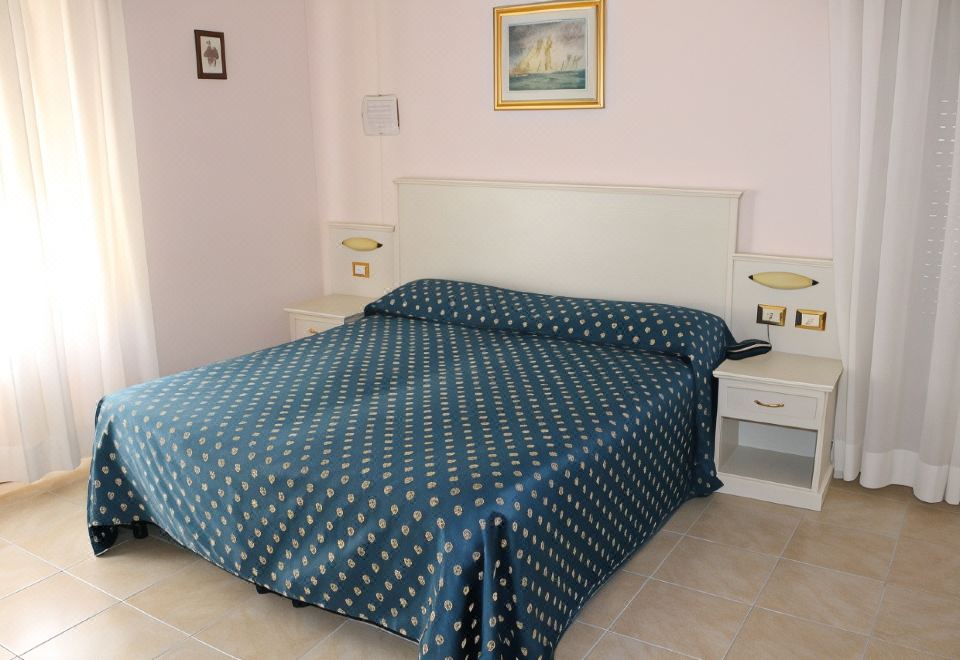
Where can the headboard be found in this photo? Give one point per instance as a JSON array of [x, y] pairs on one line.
[[667, 245]]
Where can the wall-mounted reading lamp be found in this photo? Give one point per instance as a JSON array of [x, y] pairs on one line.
[[782, 280], [361, 244]]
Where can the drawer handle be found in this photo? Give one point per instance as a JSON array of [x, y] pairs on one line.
[[313, 331], [768, 405]]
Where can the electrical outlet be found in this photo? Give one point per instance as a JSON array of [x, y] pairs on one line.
[[360, 269], [771, 314]]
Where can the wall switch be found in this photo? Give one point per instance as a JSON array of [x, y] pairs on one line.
[[811, 319], [771, 314], [361, 269]]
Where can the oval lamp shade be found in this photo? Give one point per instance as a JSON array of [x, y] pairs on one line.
[[360, 244], [781, 280]]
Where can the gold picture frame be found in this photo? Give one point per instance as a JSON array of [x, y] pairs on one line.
[[549, 55]]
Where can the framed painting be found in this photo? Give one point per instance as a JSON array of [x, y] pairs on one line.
[[211, 56], [549, 55]]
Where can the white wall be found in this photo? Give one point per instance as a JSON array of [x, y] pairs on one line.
[[227, 174], [700, 93]]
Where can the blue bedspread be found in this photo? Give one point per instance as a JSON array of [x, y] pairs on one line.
[[465, 466]]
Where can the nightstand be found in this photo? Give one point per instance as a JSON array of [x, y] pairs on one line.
[[775, 427], [315, 316]]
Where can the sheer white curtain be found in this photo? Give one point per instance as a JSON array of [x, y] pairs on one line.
[[896, 82], [75, 315]]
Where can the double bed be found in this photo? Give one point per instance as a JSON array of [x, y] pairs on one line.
[[465, 466]]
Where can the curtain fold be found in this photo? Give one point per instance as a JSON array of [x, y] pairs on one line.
[[895, 68], [76, 319]]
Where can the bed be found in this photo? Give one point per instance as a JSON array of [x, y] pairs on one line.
[[465, 466]]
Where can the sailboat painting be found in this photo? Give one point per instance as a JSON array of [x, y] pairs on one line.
[[549, 55]]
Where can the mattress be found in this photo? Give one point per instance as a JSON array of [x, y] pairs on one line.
[[465, 466]]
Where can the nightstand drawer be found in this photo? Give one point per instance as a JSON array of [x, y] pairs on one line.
[[768, 405], [304, 326]]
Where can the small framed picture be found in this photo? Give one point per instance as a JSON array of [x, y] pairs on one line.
[[211, 57], [549, 55], [811, 319]]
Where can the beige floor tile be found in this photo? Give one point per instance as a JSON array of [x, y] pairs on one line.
[[193, 650], [41, 611], [942, 505], [50, 527], [842, 548], [880, 650], [717, 569], [58, 479], [7, 488], [194, 598], [64, 545], [604, 606], [576, 641], [119, 632], [748, 524], [43, 513], [898, 493], [652, 553], [19, 569], [918, 619], [823, 595], [771, 635], [861, 511], [133, 566], [934, 525], [662, 614], [928, 566], [617, 647], [687, 514], [268, 626], [360, 641], [75, 492]]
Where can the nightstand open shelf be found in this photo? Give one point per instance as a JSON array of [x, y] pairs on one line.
[[774, 427], [787, 468]]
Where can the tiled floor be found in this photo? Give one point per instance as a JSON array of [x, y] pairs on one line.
[[876, 574]]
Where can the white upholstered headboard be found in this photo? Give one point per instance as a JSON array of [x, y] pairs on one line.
[[668, 245]]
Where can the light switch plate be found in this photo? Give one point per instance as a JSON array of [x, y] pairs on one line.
[[360, 268], [771, 314], [811, 319]]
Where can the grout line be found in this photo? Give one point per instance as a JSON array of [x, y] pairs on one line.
[[797, 561], [896, 545], [209, 646], [603, 633], [756, 599], [332, 633], [648, 578], [643, 641], [123, 599], [629, 602], [701, 591], [863, 530], [69, 628]]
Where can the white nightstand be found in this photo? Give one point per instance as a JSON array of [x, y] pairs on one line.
[[314, 316], [775, 427]]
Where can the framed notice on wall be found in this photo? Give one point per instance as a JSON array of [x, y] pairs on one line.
[[211, 57], [381, 115]]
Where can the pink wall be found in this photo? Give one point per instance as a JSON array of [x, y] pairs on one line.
[[699, 93], [226, 172]]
